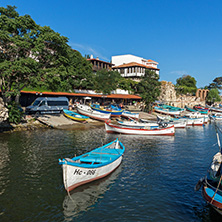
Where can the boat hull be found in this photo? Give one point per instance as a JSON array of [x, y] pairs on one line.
[[208, 194], [93, 114], [113, 112], [167, 111], [130, 115], [110, 128], [74, 176], [75, 118]]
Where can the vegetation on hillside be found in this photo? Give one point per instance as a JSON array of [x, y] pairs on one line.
[[149, 88], [186, 85]]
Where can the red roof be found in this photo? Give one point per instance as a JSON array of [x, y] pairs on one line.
[[113, 96], [100, 61], [133, 64]]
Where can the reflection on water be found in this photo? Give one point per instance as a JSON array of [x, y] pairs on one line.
[[155, 181], [84, 197]]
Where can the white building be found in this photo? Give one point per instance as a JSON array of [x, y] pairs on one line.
[[131, 66]]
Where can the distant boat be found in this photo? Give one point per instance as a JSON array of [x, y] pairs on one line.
[[216, 116], [212, 183], [115, 112], [74, 116], [129, 114], [91, 166], [88, 111], [111, 128], [138, 124], [167, 111], [215, 109], [194, 110]]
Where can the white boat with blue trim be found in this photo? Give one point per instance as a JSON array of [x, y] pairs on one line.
[[92, 165]]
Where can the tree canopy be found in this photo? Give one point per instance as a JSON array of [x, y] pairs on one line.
[[213, 96], [217, 83], [186, 84], [149, 87], [31, 55], [106, 81]]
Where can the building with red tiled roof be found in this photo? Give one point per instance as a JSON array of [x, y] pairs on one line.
[[27, 97], [130, 66], [98, 64]]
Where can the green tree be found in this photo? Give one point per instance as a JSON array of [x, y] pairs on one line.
[[31, 55], [106, 81], [186, 84], [217, 83], [149, 88], [213, 96], [127, 84]]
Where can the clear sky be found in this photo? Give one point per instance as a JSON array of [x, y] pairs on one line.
[[183, 36]]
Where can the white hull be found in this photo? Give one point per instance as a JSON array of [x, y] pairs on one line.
[[136, 124], [195, 121], [130, 115], [74, 176], [110, 128], [87, 111], [178, 124], [167, 112]]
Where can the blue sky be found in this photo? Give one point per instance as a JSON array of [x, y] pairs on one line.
[[184, 37]]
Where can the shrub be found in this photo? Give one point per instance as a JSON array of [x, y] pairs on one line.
[[15, 113]]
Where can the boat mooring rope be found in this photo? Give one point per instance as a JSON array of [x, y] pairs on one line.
[[216, 190]]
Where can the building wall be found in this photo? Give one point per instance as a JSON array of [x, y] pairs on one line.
[[121, 59]]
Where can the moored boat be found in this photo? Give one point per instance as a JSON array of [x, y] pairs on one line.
[[88, 111], [111, 128], [211, 183], [216, 116], [110, 109], [129, 114], [137, 124], [167, 111], [91, 166], [74, 116], [194, 110]]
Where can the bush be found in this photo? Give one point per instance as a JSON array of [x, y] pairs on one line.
[[15, 113]]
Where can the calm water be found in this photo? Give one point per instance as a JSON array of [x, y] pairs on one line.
[[155, 181]]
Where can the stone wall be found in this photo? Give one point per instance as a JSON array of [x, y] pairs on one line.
[[168, 96], [3, 111]]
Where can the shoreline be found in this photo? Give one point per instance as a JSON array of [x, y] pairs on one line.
[[57, 122]]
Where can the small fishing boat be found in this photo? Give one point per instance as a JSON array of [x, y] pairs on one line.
[[194, 110], [88, 111], [211, 183], [129, 114], [111, 128], [197, 115], [216, 116], [167, 111], [216, 109], [201, 108], [195, 121], [74, 116], [91, 166], [115, 112], [137, 124]]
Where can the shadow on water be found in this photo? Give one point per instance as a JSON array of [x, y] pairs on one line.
[[85, 197]]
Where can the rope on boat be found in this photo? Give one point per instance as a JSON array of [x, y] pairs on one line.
[[216, 190]]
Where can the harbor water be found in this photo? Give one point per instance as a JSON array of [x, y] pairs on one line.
[[155, 181]]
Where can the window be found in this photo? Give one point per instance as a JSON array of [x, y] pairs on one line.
[[57, 103], [42, 103]]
